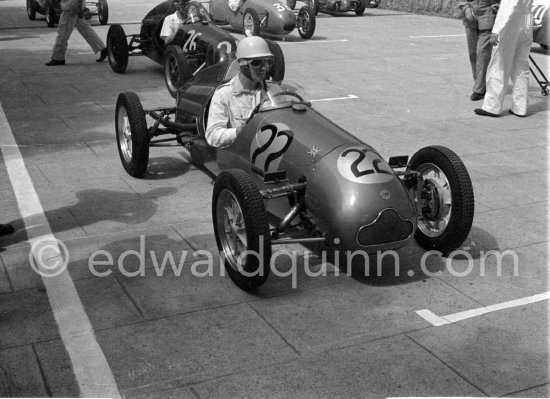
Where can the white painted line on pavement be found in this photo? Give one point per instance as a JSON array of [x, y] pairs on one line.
[[436, 320], [315, 41], [90, 366], [348, 97], [422, 37]]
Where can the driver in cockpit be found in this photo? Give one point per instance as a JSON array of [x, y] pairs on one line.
[[234, 101], [173, 22]]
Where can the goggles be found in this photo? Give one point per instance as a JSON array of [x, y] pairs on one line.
[[260, 62]]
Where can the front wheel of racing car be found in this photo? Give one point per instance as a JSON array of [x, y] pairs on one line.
[[176, 69], [31, 10], [306, 22], [291, 4], [251, 22], [103, 12], [117, 48], [277, 72], [360, 7], [131, 134], [240, 224], [314, 4], [446, 199], [49, 13]]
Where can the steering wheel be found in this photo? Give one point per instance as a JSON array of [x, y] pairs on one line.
[[288, 93]]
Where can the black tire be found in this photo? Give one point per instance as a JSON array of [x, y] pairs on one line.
[[277, 72], [131, 134], [49, 13], [314, 4], [305, 22], [31, 10], [117, 48], [544, 46], [360, 8], [238, 205], [251, 22], [447, 199], [103, 12], [291, 4], [176, 69]]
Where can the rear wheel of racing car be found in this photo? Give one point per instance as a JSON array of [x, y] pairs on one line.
[[131, 134], [306, 22], [291, 4], [447, 199], [49, 13], [360, 8], [176, 69], [31, 10], [240, 224], [277, 72], [251, 22], [314, 4], [117, 48], [103, 12]]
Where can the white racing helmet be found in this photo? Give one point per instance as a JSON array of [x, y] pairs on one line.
[[252, 47]]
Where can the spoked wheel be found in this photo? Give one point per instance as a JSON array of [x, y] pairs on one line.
[[306, 22], [103, 12], [49, 13], [176, 69], [277, 72], [31, 10], [240, 224], [251, 22], [446, 200], [131, 134], [117, 48], [314, 4]]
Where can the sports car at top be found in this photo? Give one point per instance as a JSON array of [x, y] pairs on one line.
[[198, 44], [52, 10], [257, 17], [316, 181]]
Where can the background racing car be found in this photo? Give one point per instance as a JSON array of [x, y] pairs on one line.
[[293, 176], [337, 6], [256, 17], [200, 43], [51, 9], [541, 17]]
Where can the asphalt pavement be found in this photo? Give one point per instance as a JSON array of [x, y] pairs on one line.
[[116, 325]]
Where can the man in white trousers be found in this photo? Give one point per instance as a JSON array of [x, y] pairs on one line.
[[512, 36], [71, 17]]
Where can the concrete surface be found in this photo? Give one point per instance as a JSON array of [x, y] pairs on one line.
[[182, 336]]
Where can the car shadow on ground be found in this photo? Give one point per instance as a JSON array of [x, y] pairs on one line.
[[95, 206]]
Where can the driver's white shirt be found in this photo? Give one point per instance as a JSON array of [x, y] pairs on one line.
[[230, 108], [170, 25]]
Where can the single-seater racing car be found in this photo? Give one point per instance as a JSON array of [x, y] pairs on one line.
[[318, 182]]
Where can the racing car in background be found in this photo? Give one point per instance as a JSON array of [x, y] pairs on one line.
[[257, 17], [337, 6], [200, 43], [51, 9], [541, 20], [294, 176]]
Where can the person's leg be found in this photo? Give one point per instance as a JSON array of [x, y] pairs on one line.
[[67, 21], [498, 71], [471, 40], [484, 50], [89, 34], [520, 75], [5, 229]]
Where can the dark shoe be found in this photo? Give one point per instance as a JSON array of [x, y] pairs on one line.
[[476, 96], [53, 62], [518, 115], [482, 112], [5, 229], [102, 55]]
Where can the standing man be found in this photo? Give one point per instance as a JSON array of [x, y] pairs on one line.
[[512, 38], [233, 102], [479, 17], [72, 15]]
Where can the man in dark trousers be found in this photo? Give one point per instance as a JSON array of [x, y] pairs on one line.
[[5, 229], [479, 17]]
